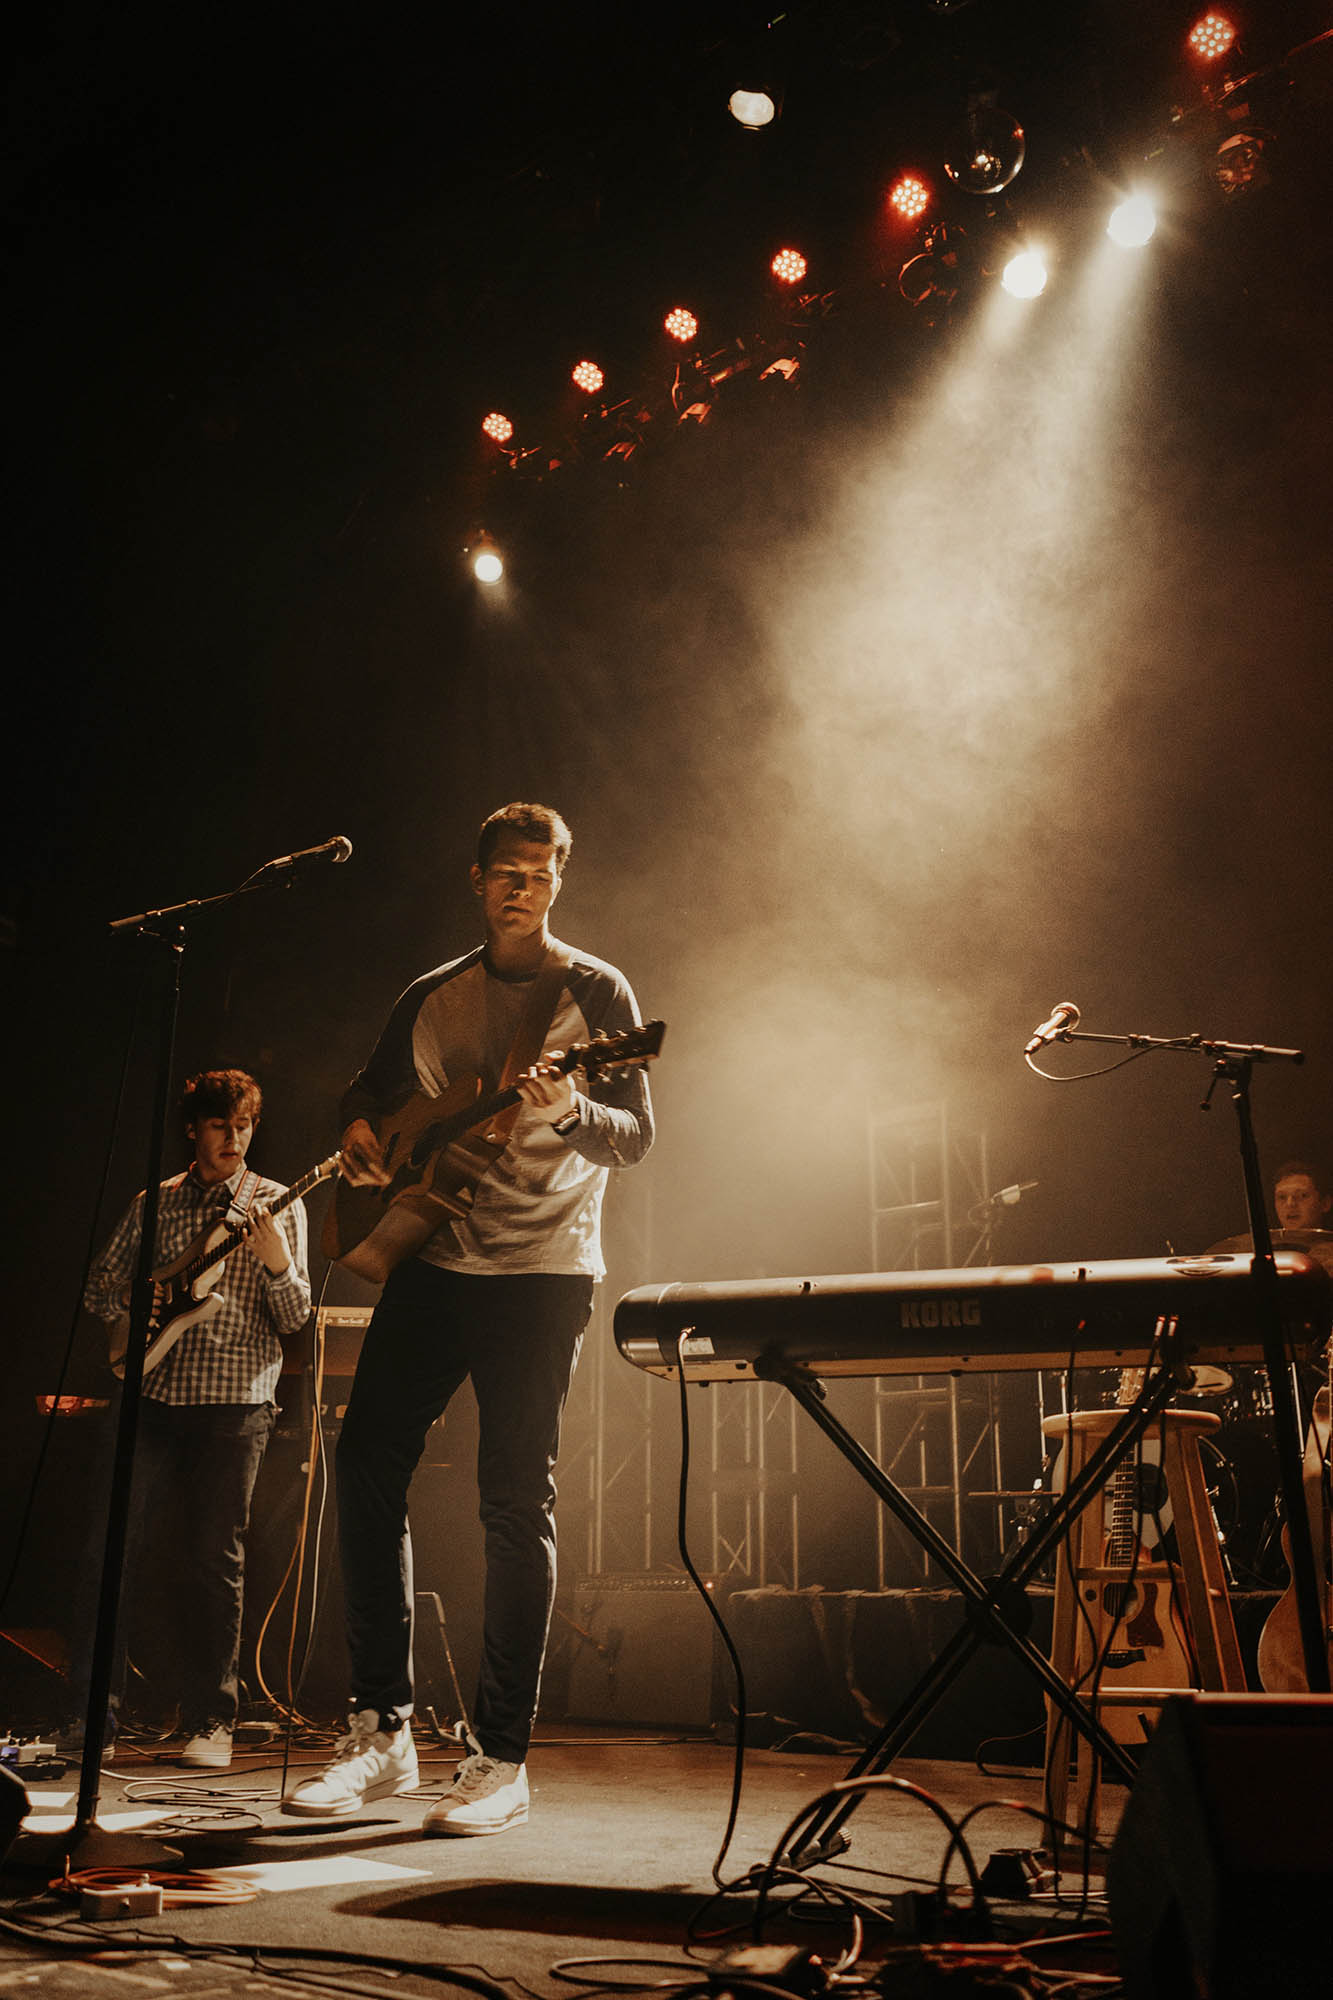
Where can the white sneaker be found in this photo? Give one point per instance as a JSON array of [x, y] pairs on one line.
[[487, 1796], [367, 1763], [209, 1749]]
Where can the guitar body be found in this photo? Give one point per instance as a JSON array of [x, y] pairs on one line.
[[1281, 1653], [181, 1302], [435, 1162], [1149, 1647], [436, 1149], [1134, 1625]]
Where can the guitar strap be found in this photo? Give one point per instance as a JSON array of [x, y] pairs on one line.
[[239, 1205]]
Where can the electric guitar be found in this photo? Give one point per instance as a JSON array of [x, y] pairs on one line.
[[183, 1297], [435, 1151]]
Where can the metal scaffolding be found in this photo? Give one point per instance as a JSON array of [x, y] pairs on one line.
[[942, 1438]]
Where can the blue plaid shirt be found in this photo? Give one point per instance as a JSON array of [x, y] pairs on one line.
[[235, 1357]]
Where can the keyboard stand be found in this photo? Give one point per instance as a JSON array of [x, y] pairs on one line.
[[997, 1607]]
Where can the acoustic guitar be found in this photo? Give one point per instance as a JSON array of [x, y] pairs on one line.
[[1281, 1653], [1148, 1640], [1131, 1621], [436, 1149], [184, 1296]]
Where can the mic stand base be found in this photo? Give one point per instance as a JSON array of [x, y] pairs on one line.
[[90, 1846]]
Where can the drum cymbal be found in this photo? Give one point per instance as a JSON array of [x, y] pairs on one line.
[[1318, 1242], [1209, 1381]]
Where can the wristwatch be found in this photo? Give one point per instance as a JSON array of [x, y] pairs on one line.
[[564, 1126]]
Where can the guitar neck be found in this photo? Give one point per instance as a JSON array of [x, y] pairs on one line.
[[235, 1236], [1123, 1532], [485, 1108]]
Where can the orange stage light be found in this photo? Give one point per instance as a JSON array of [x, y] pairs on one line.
[[681, 324], [909, 197]]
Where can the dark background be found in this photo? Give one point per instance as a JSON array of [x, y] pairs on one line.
[[974, 671]]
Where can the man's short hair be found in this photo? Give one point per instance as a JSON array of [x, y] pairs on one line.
[[1289, 1168], [217, 1093], [542, 825]]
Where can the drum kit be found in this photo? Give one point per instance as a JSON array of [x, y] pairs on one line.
[[1240, 1458]]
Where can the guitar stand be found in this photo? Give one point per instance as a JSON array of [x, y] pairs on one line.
[[997, 1607]]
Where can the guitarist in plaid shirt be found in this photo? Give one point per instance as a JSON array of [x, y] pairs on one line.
[[208, 1406]]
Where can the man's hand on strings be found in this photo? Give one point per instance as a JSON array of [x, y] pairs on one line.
[[547, 1091]]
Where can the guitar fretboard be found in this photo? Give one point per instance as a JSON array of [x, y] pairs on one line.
[[235, 1232]]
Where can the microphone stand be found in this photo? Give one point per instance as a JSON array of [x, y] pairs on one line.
[[1233, 1062], [86, 1843]]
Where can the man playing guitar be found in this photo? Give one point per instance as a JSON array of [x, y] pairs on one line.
[[208, 1406], [497, 1285]]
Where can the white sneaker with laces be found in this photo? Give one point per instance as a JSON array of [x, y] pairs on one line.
[[487, 1796], [209, 1749], [367, 1763]]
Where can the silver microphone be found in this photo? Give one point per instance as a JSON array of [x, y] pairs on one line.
[[337, 849], [1066, 1015]]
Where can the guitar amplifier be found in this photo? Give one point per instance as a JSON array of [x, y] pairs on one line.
[[642, 1651], [340, 1330]]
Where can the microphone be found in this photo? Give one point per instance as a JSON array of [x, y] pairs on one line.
[[1066, 1015], [1005, 1197], [337, 849]]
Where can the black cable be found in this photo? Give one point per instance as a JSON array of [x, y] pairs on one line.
[[738, 1672], [1082, 1075], [844, 1789]]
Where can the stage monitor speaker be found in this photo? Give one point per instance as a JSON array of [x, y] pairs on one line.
[[1220, 1880], [642, 1652]]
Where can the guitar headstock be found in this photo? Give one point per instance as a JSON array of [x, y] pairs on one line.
[[632, 1049]]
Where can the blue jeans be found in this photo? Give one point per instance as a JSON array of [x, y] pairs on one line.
[[518, 1338], [200, 1462]]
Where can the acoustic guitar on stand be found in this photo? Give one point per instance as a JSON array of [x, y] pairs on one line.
[[182, 1292], [1141, 1639], [436, 1149], [1281, 1654]]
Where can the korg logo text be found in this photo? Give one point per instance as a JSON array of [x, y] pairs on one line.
[[930, 1312]]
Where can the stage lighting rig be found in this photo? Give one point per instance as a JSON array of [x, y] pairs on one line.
[[987, 151], [789, 267], [1238, 164], [1212, 35], [1025, 274], [586, 375], [946, 264], [1133, 221], [497, 427], [682, 325], [484, 557], [755, 106], [909, 197]]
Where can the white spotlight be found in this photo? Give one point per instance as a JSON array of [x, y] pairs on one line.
[[1132, 221], [487, 564], [752, 108], [1024, 276]]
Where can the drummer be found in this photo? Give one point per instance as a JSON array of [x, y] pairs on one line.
[[1302, 1197]]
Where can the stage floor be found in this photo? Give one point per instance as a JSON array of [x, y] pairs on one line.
[[614, 1863]]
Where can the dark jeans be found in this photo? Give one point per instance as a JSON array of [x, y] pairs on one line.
[[198, 1462], [518, 1338]]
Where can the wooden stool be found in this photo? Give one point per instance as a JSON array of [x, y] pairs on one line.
[[1137, 1675]]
